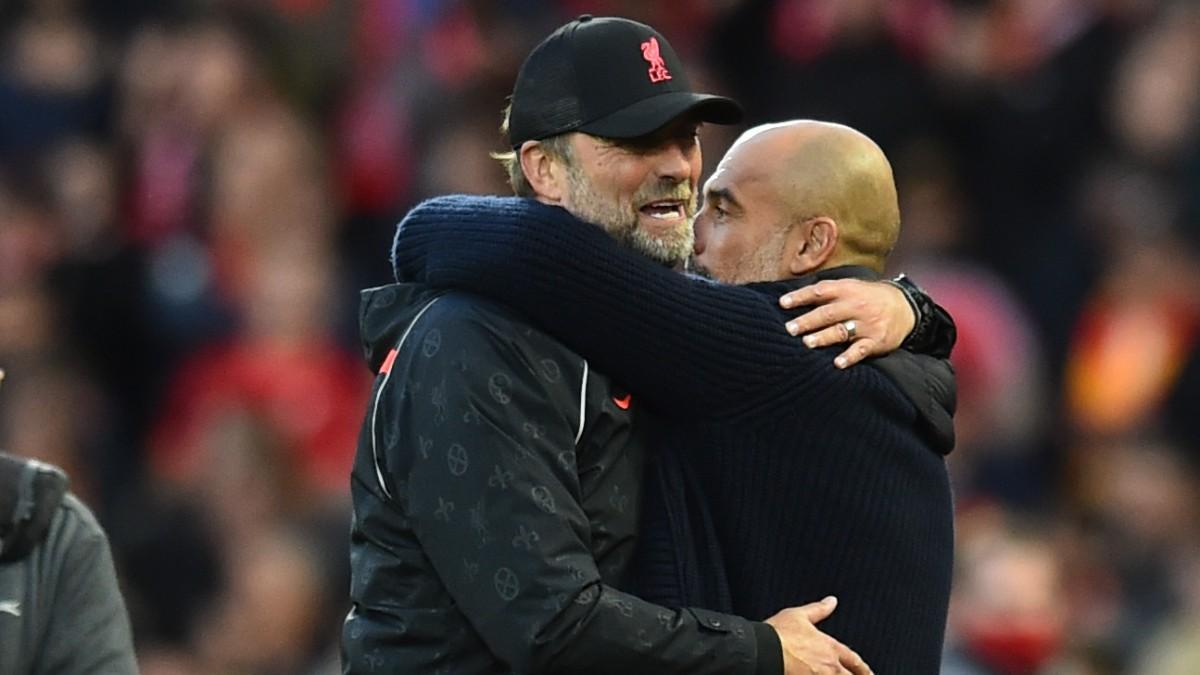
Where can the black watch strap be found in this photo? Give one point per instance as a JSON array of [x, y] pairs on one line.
[[934, 332]]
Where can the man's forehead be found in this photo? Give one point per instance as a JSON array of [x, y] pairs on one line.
[[737, 174], [729, 171], [720, 189], [717, 182]]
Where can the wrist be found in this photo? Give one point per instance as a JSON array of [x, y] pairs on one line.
[[770, 650], [933, 331], [909, 290]]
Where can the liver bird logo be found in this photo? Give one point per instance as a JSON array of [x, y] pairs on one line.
[[658, 69]]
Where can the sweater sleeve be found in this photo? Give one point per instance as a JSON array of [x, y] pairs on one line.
[[685, 345]]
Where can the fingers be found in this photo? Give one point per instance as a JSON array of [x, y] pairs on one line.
[[851, 661], [825, 316], [828, 664], [858, 351], [835, 334], [816, 612], [822, 291], [880, 311]]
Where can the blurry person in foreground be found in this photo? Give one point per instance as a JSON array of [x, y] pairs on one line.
[[61, 610]]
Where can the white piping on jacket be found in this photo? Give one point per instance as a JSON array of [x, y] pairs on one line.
[[582, 402], [379, 394]]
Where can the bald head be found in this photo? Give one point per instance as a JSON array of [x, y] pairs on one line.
[[795, 197], [814, 169]]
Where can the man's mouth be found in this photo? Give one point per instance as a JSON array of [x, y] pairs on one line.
[[665, 209]]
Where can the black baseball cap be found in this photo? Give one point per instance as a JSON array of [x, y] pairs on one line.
[[606, 76]]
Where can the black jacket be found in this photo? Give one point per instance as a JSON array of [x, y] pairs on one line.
[[780, 479], [496, 496]]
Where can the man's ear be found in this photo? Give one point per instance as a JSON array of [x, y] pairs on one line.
[[810, 244], [545, 175]]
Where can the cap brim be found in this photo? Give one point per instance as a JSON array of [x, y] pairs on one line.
[[651, 114]]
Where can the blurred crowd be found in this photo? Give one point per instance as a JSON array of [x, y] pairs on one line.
[[193, 191]]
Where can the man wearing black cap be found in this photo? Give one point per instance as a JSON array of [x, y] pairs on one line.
[[611, 79], [497, 481]]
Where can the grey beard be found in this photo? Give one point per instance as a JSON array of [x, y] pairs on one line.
[[623, 226], [667, 252]]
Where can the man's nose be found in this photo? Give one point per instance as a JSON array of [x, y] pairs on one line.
[[674, 162], [700, 229]]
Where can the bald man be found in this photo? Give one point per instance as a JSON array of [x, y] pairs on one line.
[[795, 197], [779, 478]]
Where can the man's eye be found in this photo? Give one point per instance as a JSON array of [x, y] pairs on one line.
[[689, 140], [638, 146]]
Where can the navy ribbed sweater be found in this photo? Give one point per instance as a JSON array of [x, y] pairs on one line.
[[794, 479]]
